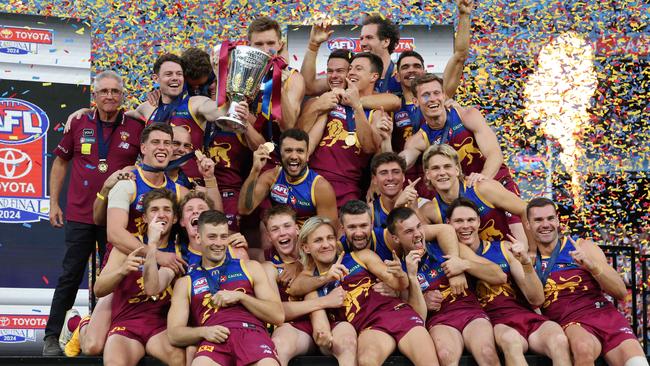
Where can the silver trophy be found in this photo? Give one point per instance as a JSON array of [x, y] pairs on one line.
[[247, 66]]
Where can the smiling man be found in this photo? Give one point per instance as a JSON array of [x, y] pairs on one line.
[[292, 184]]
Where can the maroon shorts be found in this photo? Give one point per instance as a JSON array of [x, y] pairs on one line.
[[244, 346], [456, 317], [140, 330], [606, 324], [395, 321], [229, 198], [526, 322], [303, 325]]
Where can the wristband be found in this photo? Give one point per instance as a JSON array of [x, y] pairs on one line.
[[101, 197]]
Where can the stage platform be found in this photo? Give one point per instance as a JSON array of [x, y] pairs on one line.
[[298, 361]]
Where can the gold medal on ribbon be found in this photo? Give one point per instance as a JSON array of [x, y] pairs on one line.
[[351, 139], [102, 166]]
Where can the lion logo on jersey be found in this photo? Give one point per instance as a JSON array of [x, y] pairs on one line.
[[466, 149], [219, 151], [552, 288], [336, 133], [351, 301], [446, 292], [487, 293], [489, 232]]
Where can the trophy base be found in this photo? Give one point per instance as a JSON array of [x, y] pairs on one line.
[[231, 124]]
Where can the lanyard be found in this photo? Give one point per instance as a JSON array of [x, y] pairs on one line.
[[103, 144], [543, 275], [350, 122]]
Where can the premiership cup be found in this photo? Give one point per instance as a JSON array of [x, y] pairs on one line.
[[247, 66]]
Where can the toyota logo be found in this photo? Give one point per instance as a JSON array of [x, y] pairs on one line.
[[4, 321], [14, 163]]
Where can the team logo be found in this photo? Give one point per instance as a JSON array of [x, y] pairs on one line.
[[14, 163], [124, 135], [402, 119], [424, 284], [338, 112], [342, 43], [280, 193]]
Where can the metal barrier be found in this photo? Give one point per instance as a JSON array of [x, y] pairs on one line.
[[637, 288]]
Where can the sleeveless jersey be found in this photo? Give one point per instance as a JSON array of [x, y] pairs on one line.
[[431, 276], [231, 156], [463, 141], [136, 208], [335, 160], [406, 122], [231, 275], [393, 86], [130, 301], [378, 244], [494, 221], [182, 116], [499, 297], [570, 289], [298, 195], [360, 299], [183, 180], [379, 214]]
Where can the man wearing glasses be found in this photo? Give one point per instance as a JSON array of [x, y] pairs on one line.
[[87, 147]]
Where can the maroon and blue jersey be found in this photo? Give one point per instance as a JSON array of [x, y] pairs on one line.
[[498, 298], [494, 221], [231, 156], [298, 194], [204, 282], [340, 164], [389, 84], [136, 208], [378, 244]]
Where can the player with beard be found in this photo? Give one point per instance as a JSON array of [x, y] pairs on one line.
[[342, 139], [452, 317], [359, 234], [292, 184], [517, 327], [223, 304], [443, 173], [383, 323], [576, 275], [387, 171], [294, 337]]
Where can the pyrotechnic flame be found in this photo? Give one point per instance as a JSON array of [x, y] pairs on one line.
[[558, 95]]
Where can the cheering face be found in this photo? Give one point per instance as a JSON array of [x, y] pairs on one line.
[[544, 223], [267, 41], [157, 150], [360, 73], [283, 233], [358, 230], [190, 216], [321, 245], [294, 156], [214, 242], [431, 100], [410, 68], [181, 143], [108, 95], [442, 172], [370, 41], [389, 178], [161, 210], [170, 79], [409, 233], [466, 222], [337, 71]]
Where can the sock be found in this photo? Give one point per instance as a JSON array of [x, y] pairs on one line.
[[636, 361], [73, 323]]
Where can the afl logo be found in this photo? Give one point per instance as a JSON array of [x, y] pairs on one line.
[[341, 43], [21, 121], [14, 163]]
